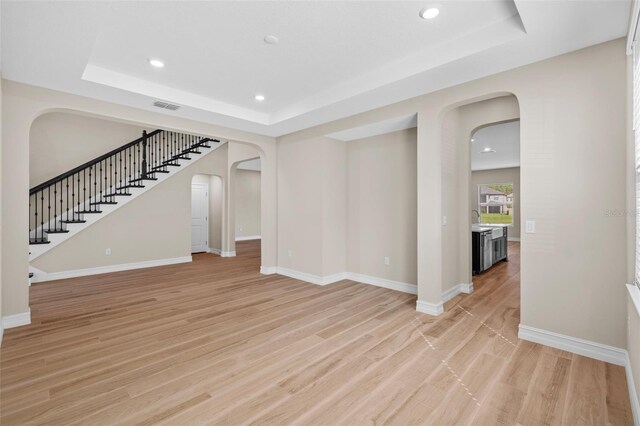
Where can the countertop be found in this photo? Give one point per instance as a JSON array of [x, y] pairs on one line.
[[477, 227]]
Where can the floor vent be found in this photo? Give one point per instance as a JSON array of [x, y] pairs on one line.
[[165, 105]]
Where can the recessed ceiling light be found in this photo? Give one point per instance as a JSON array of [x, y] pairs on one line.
[[259, 97], [156, 63], [429, 12], [271, 39], [487, 151], [473, 140]]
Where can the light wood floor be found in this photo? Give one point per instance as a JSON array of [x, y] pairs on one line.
[[216, 342]]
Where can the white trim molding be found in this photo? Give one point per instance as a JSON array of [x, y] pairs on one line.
[[268, 270], [16, 320], [249, 238], [433, 309], [456, 290], [330, 279], [38, 278], [310, 278], [383, 282], [574, 345], [228, 253], [214, 251]]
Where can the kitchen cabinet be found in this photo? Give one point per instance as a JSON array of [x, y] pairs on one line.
[[489, 246]]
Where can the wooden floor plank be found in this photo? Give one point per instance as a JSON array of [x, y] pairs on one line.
[[216, 342]]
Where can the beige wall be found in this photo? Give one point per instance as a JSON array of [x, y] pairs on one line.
[[382, 206], [237, 154], [312, 214], [61, 141], [510, 175], [216, 209], [247, 190], [567, 286], [22, 104]]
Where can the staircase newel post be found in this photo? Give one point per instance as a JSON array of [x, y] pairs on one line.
[[144, 154]]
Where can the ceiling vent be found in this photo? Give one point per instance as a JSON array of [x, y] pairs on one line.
[[165, 105]]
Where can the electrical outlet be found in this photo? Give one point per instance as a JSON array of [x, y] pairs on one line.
[[387, 261], [290, 253], [107, 252], [530, 227], [444, 220]]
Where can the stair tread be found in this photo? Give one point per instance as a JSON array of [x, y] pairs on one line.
[[129, 186], [73, 221], [141, 179], [88, 211], [57, 231], [103, 202], [38, 241], [124, 194]]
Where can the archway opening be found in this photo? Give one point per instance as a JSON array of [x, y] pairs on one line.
[[247, 200]]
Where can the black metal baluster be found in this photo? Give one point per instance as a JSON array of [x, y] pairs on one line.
[[42, 214], [67, 183], [144, 154], [60, 221], [49, 208]]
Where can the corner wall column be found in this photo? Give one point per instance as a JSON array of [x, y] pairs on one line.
[[429, 214]]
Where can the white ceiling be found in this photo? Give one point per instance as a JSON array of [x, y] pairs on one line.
[[334, 58], [504, 139]]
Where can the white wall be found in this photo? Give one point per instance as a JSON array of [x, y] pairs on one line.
[[510, 175], [382, 206], [61, 141], [247, 190]]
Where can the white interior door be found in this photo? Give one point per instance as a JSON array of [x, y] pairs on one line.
[[199, 217]]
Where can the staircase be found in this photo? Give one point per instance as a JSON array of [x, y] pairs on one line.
[[66, 204]]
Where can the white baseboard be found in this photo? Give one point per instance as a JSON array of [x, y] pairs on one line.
[[38, 278], [456, 290], [268, 270], [383, 282], [574, 345], [433, 309], [248, 238], [16, 320], [228, 253], [214, 251], [310, 278], [633, 395], [330, 279], [517, 239]]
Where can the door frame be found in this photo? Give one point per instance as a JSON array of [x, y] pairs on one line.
[[206, 228]]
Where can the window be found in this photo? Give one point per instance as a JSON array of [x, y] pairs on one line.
[[495, 203]]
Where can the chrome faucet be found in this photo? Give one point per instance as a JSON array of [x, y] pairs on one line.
[[477, 214]]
